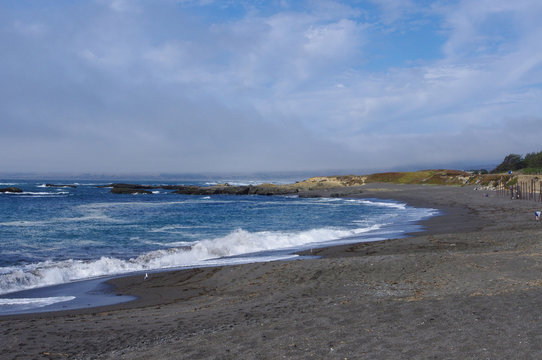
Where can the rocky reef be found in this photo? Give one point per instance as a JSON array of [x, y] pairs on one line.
[[61, 186], [221, 189], [11, 190], [126, 190], [308, 188]]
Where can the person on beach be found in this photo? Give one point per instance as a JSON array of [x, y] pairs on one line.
[[537, 215]]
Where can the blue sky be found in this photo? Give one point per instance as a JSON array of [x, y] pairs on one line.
[[120, 86]]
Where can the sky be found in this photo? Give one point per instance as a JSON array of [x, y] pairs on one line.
[[187, 86]]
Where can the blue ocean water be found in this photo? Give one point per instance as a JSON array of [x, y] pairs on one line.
[[51, 236]]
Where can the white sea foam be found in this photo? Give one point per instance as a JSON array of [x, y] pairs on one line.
[[177, 244], [234, 183], [129, 204], [39, 193], [238, 242], [88, 218], [38, 196], [60, 186], [394, 205], [332, 201], [247, 260], [328, 199], [31, 303], [173, 228], [23, 223]]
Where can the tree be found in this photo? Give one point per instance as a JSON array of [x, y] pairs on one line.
[[511, 162], [533, 160]]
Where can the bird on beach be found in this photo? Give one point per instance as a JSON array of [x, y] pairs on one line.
[[146, 276]]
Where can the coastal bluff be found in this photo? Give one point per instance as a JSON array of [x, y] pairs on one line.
[[330, 186]]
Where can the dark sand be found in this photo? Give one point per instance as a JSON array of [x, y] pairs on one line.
[[468, 288]]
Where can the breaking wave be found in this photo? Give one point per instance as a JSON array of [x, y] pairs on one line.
[[201, 253]]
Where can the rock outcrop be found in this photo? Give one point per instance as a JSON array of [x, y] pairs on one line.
[[125, 190], [221, 189], [11, 190]]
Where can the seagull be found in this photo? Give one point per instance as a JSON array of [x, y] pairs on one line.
[[146, 276]]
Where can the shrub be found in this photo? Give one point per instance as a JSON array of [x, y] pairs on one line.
[[532, 171]]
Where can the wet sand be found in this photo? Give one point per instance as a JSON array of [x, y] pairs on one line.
[[470, 287]]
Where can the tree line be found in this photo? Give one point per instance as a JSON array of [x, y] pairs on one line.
[[531, 163]]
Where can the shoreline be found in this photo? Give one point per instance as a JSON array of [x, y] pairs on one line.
[[99, 292], [340, 304], [91, 293]]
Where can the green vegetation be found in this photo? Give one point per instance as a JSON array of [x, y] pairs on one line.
[[531, 171], [533, 160], [434, 177], [398, 177], [444, 177], [478, 171], [421, 177], [530, 164], [493, 180]]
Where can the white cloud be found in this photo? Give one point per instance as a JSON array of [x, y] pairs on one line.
[[271, 88], [478, 28], [332, 40]]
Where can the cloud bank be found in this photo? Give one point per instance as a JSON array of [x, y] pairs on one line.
[[195, 86]]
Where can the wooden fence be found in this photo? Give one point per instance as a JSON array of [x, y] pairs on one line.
[[523, 190]]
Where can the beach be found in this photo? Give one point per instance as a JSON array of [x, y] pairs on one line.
[[468, 287]]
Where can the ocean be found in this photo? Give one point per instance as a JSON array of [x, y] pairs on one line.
[[51, 238]]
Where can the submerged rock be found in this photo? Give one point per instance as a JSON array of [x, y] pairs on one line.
[[11, 190], [121, 190], [264, 189], [61, 186], [129, 186]]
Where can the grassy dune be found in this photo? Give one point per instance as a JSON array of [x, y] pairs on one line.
[[429, 177]]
